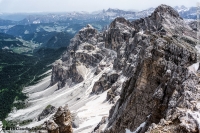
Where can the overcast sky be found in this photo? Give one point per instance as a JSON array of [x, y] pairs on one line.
[[14, 6]]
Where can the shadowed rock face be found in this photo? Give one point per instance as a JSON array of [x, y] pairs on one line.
[[62, 74], [105, 82], [119, 32], [193, 25], [46, 112]]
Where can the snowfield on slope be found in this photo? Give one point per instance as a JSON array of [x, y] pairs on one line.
[[89, 108]]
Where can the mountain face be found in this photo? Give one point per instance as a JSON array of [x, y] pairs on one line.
[[157, 96], [139, 76], [193, 25], [6, 22], [156, 54]]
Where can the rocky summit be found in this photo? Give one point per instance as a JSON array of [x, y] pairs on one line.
[[154, 77]]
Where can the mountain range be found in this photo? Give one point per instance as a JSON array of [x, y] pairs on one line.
[[109, 14], [137, 76], [115, 72]]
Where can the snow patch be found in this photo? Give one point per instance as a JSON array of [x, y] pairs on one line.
[[89, 108], [26, 32], [128, 131], [196, 117], [1, 126], [36, 22], [194, 67], [141, 126]]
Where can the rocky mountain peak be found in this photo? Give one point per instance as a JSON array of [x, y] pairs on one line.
[[111, 10], [166, 10], [164, 21], [90, 26], [120, 20], [87, 28], [183, 7]]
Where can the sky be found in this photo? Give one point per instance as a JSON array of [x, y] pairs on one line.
[[17, 6]]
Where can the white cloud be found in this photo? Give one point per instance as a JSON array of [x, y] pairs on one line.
[[84, 5]]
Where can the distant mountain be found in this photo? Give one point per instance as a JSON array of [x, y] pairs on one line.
[[51, 35], [181, 8], [6, 22], [16, 16], [187, 13], [144, 13], [44, 29], [109, 14]]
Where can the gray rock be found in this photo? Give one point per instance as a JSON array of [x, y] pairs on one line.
[[46, 112], [62, 121], [193, 25], [52, 127], [75, 121], [105, 82]]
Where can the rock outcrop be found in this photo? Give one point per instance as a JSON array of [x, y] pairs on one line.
[[105, 82], [61, 122], [46, 112], [52, 127], [62, 74], [193, 25]]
